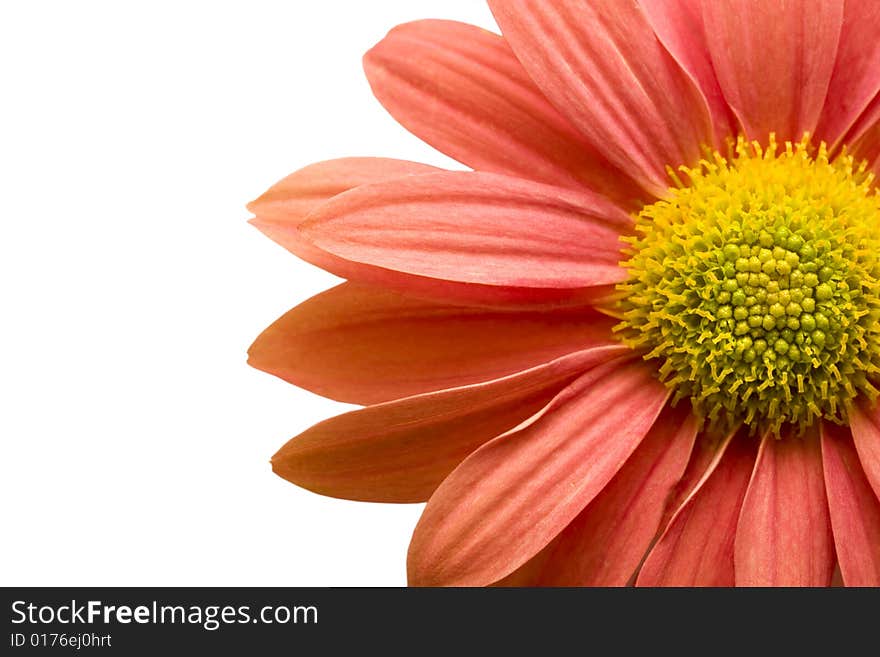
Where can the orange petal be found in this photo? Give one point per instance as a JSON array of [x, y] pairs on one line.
[[855, 509], [512, 496], [462, 90], [473, 236], [603, 67], [856, 76], [864, 422], [696, 549], [281, 209], [400, 451], [774, 61], [784, 533], [679, 26], [604, 545], [529, 574], [366, 345]]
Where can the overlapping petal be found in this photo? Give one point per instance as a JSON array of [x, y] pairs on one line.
[[400, 451], [604, 545], [703, 459], [280, 210], [856, 76], [855, 510], [783, 537], [603, 67], [774, 61], [462, 90], [697, 548], [864, 422], [512, 496], [679, 26], [293, 197], [368, 345], [474, 237], [865, 138]]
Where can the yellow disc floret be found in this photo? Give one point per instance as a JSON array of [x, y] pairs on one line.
[[756, 286]]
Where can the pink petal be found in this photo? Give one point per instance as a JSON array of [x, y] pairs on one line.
[[864, 422], [366, 345], [679, 26], [604, 545], [473, 236], [774, 61], [856, 76], [702, 460], [512, 496], [855, 509], [292, 198], [698, 545], [602, 66], [784, 533], [865, 138], [462, 90], [281, 209], [400, 451]]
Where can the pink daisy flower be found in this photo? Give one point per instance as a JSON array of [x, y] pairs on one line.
[[640, 341]]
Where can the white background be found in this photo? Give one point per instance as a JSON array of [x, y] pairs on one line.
[[136, 441]]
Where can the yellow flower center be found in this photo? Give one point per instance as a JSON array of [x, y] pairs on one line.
[[756, 286]]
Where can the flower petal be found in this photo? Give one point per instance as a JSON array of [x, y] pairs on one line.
[[281, 209], [475, 237], [679, 26], [512, 496], [601, 65], [774, 61], [784, 533], [529, 574], [702, 460], [697, 547], [865, 138], [400, 451], [864, 422], [856, 77], [855, 509], [295, 196], [462, 90], [366, 345], [604, 545]]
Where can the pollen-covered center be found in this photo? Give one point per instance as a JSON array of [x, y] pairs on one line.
[[756, 286]]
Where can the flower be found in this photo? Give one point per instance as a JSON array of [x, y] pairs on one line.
[[639, 342]]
